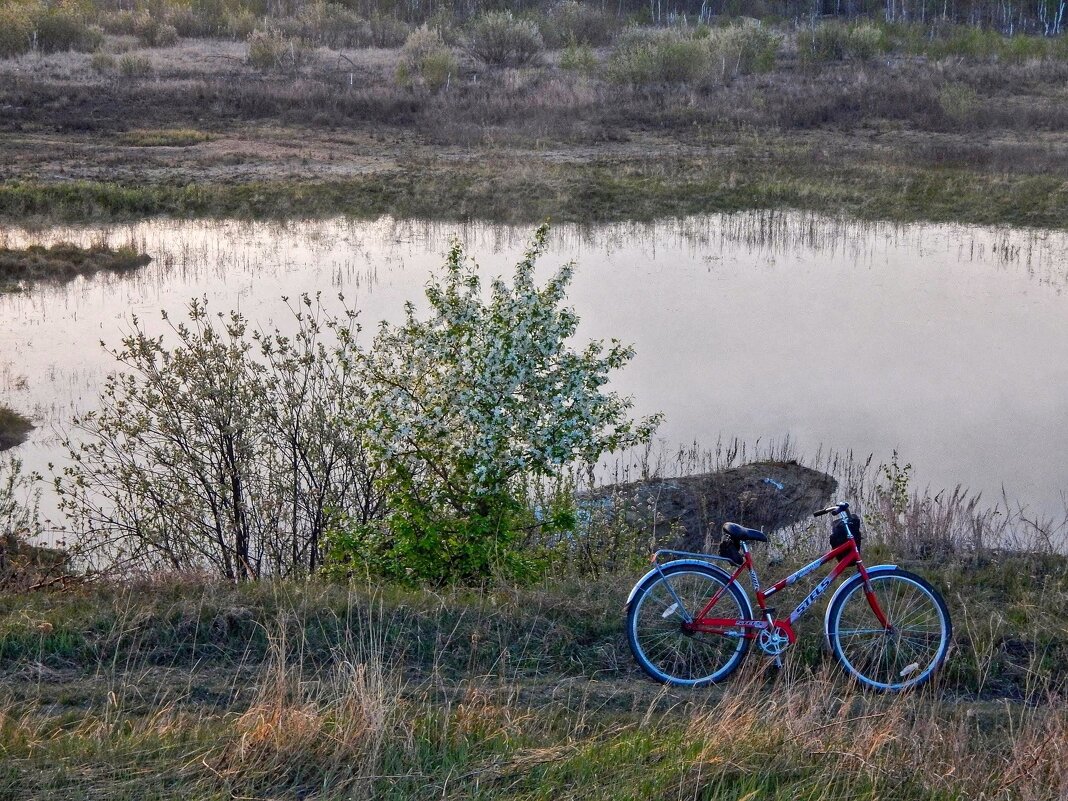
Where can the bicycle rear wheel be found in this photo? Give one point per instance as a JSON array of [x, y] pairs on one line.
[[663, 648], [902, 656]]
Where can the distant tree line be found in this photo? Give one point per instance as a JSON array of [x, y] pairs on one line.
[[1008, 16]]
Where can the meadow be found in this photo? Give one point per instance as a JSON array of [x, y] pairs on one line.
[[569, 111], [180, 685], [177, 686]]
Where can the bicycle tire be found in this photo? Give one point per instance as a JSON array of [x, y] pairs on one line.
[[896, 659], [654, 626]]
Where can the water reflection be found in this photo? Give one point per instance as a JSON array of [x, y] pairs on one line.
[[948, 343]]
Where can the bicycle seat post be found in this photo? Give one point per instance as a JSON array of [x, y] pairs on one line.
[[769, 614]]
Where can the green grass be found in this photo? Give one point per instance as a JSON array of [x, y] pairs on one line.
[[172, 137], [182, 688], [569, 628], [602, 191]]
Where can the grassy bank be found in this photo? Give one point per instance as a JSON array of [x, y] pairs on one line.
[[597, 192], [181, 686], [290, 690]]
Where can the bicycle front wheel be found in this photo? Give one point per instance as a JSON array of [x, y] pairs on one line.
[[900, 655], [664, 649]]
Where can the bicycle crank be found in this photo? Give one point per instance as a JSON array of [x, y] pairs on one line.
[[773, 641]]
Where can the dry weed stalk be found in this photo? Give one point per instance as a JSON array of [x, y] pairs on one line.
[[855, 741], [302, 731]]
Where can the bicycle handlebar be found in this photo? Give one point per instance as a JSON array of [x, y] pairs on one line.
[[838, 508]]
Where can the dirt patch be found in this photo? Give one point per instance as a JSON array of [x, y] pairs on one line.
[[688, 512]]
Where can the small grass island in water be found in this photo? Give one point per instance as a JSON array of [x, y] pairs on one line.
[[14, 428], [63, 261]]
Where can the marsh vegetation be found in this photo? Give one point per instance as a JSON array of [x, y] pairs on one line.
[[566, 110], [63, 261], [162, 687], [14, 428]]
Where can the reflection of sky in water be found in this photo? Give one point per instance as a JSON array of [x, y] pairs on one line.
[[947, 343]]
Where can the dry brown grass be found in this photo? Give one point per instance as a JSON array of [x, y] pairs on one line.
[[310, 727], [450, 709], [916, 745]]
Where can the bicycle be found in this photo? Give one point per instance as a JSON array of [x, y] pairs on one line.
[[889, 628]]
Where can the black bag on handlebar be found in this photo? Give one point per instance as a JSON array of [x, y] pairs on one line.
[[838, 531]]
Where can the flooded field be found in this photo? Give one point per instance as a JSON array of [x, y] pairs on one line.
[[946, 343]]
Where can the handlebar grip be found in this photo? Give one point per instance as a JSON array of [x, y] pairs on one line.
[[841, 506]]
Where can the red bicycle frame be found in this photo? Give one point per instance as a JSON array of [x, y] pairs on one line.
[[848, 555]]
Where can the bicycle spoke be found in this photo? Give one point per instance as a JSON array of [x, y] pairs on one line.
[[673, 653], [902, 654]]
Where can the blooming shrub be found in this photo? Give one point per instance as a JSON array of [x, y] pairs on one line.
[[435, 456], [467, 407]]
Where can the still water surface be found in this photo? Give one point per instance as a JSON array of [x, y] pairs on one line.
[[946, 343]]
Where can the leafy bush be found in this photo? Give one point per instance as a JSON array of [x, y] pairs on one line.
[[123, 23], [579, 58], [964, 41], [134, 65], [327, 24], [740, 50], [188, 24], [62, 28], [251, 461], [154, 33], [426, 60], [836, 42], [445, 23], [470, 406], [643, 56], [1018, 49], [212, 18], [942, 40], [500, 39], [240, 24], [388, 31], [575, 23], [16, 30], [264, 50], [269, 50]]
